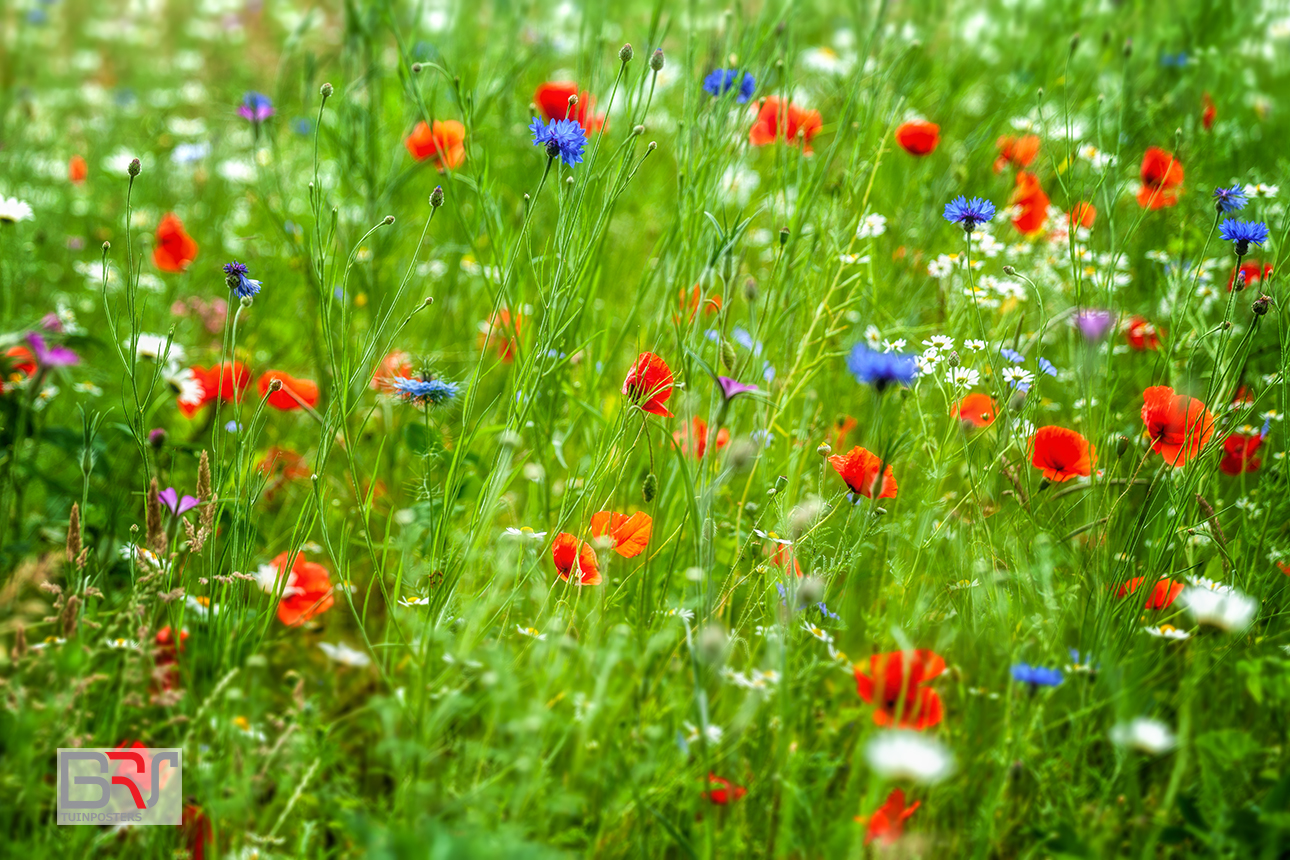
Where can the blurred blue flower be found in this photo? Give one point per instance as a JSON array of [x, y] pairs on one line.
[[432, 392], [1012, 355], [723, 80], [880, 369], [1036, 676], [969, 214], [256, 107], [1229, 199], [1047, 367], [1243, 233], [562, 137]]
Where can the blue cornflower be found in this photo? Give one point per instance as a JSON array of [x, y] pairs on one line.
[[562, 137], [1229, 199], [1047, 367], [1243, 233], [723, 80], [824, 610], [969, 213], [238, 282], [426, 392], [1012, 355], [1036, 676], [880, 369], [255, 107]]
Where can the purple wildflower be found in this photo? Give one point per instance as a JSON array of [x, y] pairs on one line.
[[178, 506], [731, 387], [51, 355], [255, 107], [1094, 324]]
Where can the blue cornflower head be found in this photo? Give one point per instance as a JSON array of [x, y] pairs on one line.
[[1012, 355], [238, 282], [1229, 199], [1047, 367], [722, 81], [562, 137], [1036, 676], [824, 610], [426, 392], [969, 214], [1243, 233], [255, 107], [880, 369]]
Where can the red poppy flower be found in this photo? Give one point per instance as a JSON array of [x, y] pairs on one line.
[[859, 469], [1062, 454], [1017, 151], [780, 120], [1033, 203], [444, 142], [285, 462], [1178, 425], [396, 365], [783, 557], [841, 427], [1162, 596], [1239, 450], [918, 137], [1083, 214], [1254, 272], [895, 686], [219, 382], [552, 99], [976, 409], [649, 384], [1209, 113], [294, 393], [1162, 178], [167, 657], [630, 534], [308, 590], [197, 831], [500, 332], [1142, 334], [690, 305], [724, 790], [175, 249], [693, 438], [21, 363], [888, 822], [77, 170], [571, 555]]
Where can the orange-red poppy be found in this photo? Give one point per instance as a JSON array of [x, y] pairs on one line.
[[723, 790], [1162, 178], [21, 363], [783, 557], [571, 556], [552, 99], [1178, 425], [396, 365], [859, 469], [841, 427], [1209, 112], [649, 384], [888, 822], [1016, 151], [895, 686], [166, 656], [690, 304], [218, 382], [1142, 334], [1240, 453], [284, 461], [1163, 593], [630, 534], [501, 332], [1062, 454], [1029, 196], [174, 249], [693, 438], [1253, 272], [294, 393], [444, 142], [198, 833], [1083, 214], [781, 120], [976, 409], [918, 137], [307, 591], [77, 170]]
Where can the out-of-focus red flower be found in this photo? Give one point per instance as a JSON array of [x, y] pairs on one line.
[[1083, 214], [630, 534], [693, 438], [783, 557], [690, 304], [1029, 196], [918, 137], [781, 120], [284, 461], [976, 409], [1178, 425], [294, 393], [572, 556], [1062, 454], [888, 822], [1253, 272], [859, 469], [841, 427], [20, 363], [198, 832], [1209, 112], [396, 365], [895, 685], [174, 248], [444, 143], [1240, 452], [1162, 178], [1162, 596], [1141, 334], [500, 333], [552, 99], [723, 791], [167, 656], [1016, 151], [219, 382], [77, 170], [649, 384], [307, 592]]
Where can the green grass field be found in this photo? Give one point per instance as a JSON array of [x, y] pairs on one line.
[[601, 430]]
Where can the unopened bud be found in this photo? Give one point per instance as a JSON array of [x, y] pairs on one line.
[[652, 146], [1128, 48], [1008, 270], [1240, 282], [783, 235], [326, 90], [649, 487], [638, 130], [1121, 445], [712, 645], [824, 450], [436, 197], [107, 246], [573, 100], [1074, 42], [275, 385], [416, 68], [728, 357], [656, 60], [389, 219], [750, 290], [1261, 305], [953, 360], [134, 167], [625, 53]]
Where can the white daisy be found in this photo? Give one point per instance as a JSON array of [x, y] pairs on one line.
[[909, 755], [13, 210], [1145, 735], [871, 226], [345, 655]]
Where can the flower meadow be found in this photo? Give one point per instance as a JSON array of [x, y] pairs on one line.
[[786, 429]]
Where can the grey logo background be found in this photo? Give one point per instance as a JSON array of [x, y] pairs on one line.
[[120, 786]]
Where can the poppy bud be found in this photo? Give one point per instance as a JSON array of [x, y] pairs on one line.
[[1121, 445], [652, 146], [134, 167], [436, 197], [326, 90], [656, 60], [824, 450], [625, 53], [573, 100], [389, 219], [416, 68], [783, 236], [1008, 270], [638, 130], [275, 385], [1128, 48], [728, 356], [1260, 306], [750, 290], [649, 487]]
